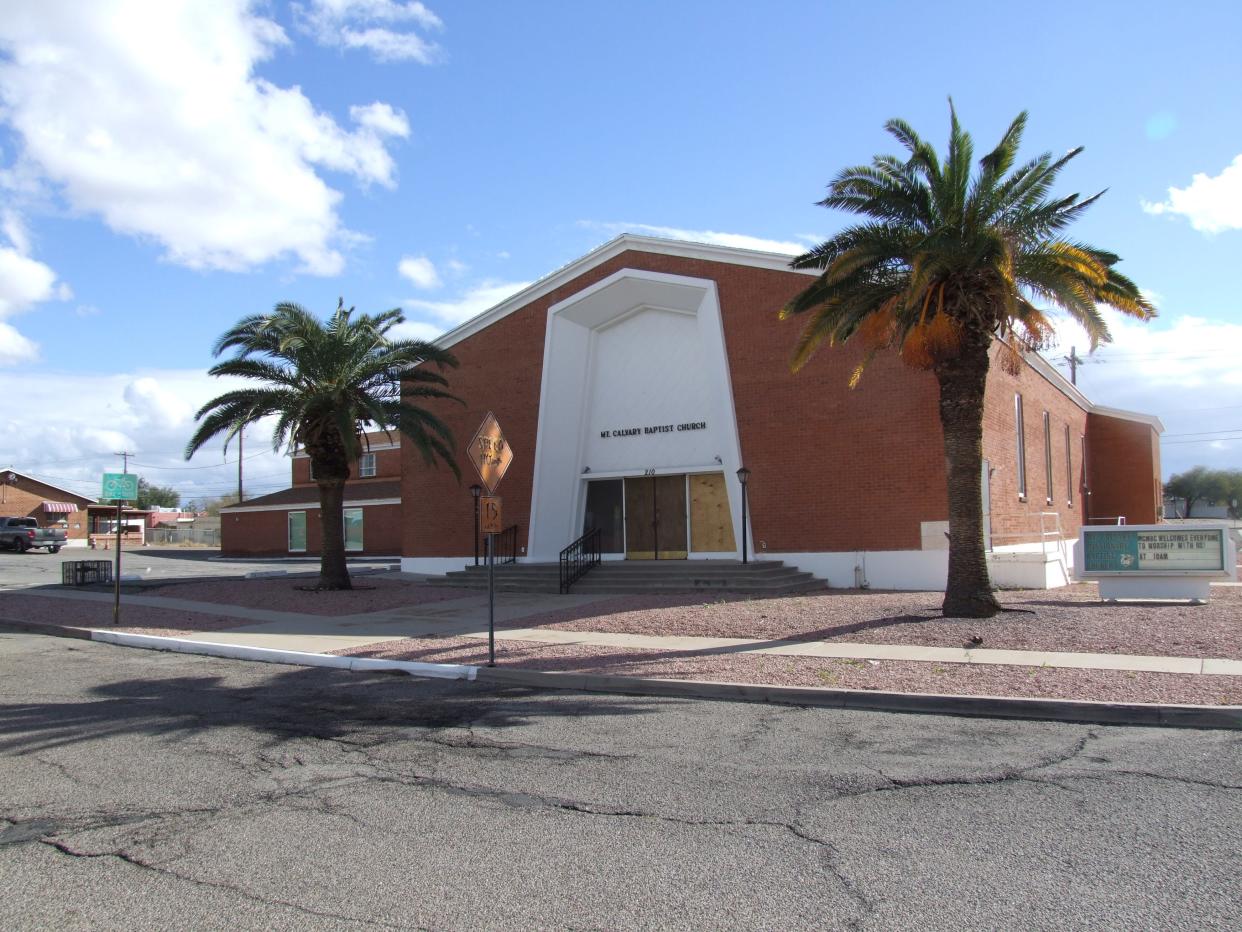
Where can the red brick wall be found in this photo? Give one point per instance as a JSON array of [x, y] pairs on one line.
[[387, 466], [26, 498], [1124, 462], [1015, 520], [266, 533]]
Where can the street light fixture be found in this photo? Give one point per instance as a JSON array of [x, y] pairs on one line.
[[743, 474], [475, 491]]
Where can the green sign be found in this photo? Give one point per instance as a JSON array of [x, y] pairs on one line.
[[120, 486], [1174, 551]]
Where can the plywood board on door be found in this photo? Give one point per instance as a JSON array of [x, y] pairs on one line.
[[711, 520]]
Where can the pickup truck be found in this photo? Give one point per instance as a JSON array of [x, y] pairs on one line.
[[21, 534]]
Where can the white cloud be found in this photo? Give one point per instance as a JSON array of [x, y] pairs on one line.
[[418, 330], [478, 299], [149, 413], [15, 349], [420, 270], [154, 405], [24, 282], [1213, 204], [710, 237], [385, 28], [151, 117], [382, 118], [14, 231], [1181, 368]]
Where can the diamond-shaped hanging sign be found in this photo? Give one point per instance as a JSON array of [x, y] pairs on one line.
[[490, 453]]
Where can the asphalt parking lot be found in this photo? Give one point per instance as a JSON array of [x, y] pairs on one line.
[[39, 568], [147, 790]]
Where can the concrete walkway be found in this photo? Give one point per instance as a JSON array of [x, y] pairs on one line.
[[467, 618]]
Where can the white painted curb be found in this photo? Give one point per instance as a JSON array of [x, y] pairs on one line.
[[445, 671]]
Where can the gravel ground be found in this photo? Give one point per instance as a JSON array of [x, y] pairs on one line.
[[373, 594], [138, 619], [281, 595], [1068, 619], [887, 676]]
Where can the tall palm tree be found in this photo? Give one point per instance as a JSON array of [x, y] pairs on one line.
[[947, 261], [324, 383]]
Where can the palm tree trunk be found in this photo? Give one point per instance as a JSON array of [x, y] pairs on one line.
[[968, 590], [333, 571]]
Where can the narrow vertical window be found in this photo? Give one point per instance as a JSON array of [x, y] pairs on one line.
[[297, 532], [1085, 485], [1048, 455], [1021, 434], [1069, 469], [366, 466], [352, 518]]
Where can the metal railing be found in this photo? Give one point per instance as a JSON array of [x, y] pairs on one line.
[[579, 557], [1049, 535], [506, 545]]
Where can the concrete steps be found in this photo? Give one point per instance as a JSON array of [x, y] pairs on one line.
[[643, 576]]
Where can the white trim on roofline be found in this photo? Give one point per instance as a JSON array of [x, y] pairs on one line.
[[307, 506], [1061, 383], [93, 501], [1149, 419], [609, 250], [1071, 391]]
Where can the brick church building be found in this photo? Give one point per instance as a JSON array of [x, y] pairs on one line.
[[634, 383]]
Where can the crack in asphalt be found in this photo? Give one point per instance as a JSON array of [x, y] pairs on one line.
[[126, 857]]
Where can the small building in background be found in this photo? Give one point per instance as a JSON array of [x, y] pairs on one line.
[[23, 496], [286, 523]]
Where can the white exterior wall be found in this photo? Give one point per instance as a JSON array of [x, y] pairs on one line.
[[636, 350]]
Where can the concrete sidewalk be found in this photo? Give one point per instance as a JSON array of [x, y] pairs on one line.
[[467, 618]]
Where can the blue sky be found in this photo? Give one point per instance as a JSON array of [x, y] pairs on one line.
[[166, 168]]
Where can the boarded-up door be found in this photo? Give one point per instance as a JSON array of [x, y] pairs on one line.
[[711, 521], [655, 518]]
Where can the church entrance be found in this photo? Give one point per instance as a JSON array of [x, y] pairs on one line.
[[660, 517]]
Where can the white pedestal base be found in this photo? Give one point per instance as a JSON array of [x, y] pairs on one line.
[[1194, 588]]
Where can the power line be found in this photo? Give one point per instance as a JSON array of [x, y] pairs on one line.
[[1173, 443], [1205, 433], [213, 465]]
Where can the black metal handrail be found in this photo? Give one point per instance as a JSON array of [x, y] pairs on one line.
[[506, 545], [578, 558]]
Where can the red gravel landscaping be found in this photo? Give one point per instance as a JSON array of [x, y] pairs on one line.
[[373, 594], [1067, 619], [886, 676], [137, 619]]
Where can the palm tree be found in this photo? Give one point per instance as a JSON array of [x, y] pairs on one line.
[[325, 383], [947, 261]]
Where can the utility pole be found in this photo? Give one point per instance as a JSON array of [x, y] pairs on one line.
[[1074, 361], [241, 438]]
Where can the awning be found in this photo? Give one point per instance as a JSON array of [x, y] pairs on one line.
[[60, 507]]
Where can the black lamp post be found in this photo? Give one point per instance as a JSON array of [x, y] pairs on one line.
[[742, 475], [475, 491]]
